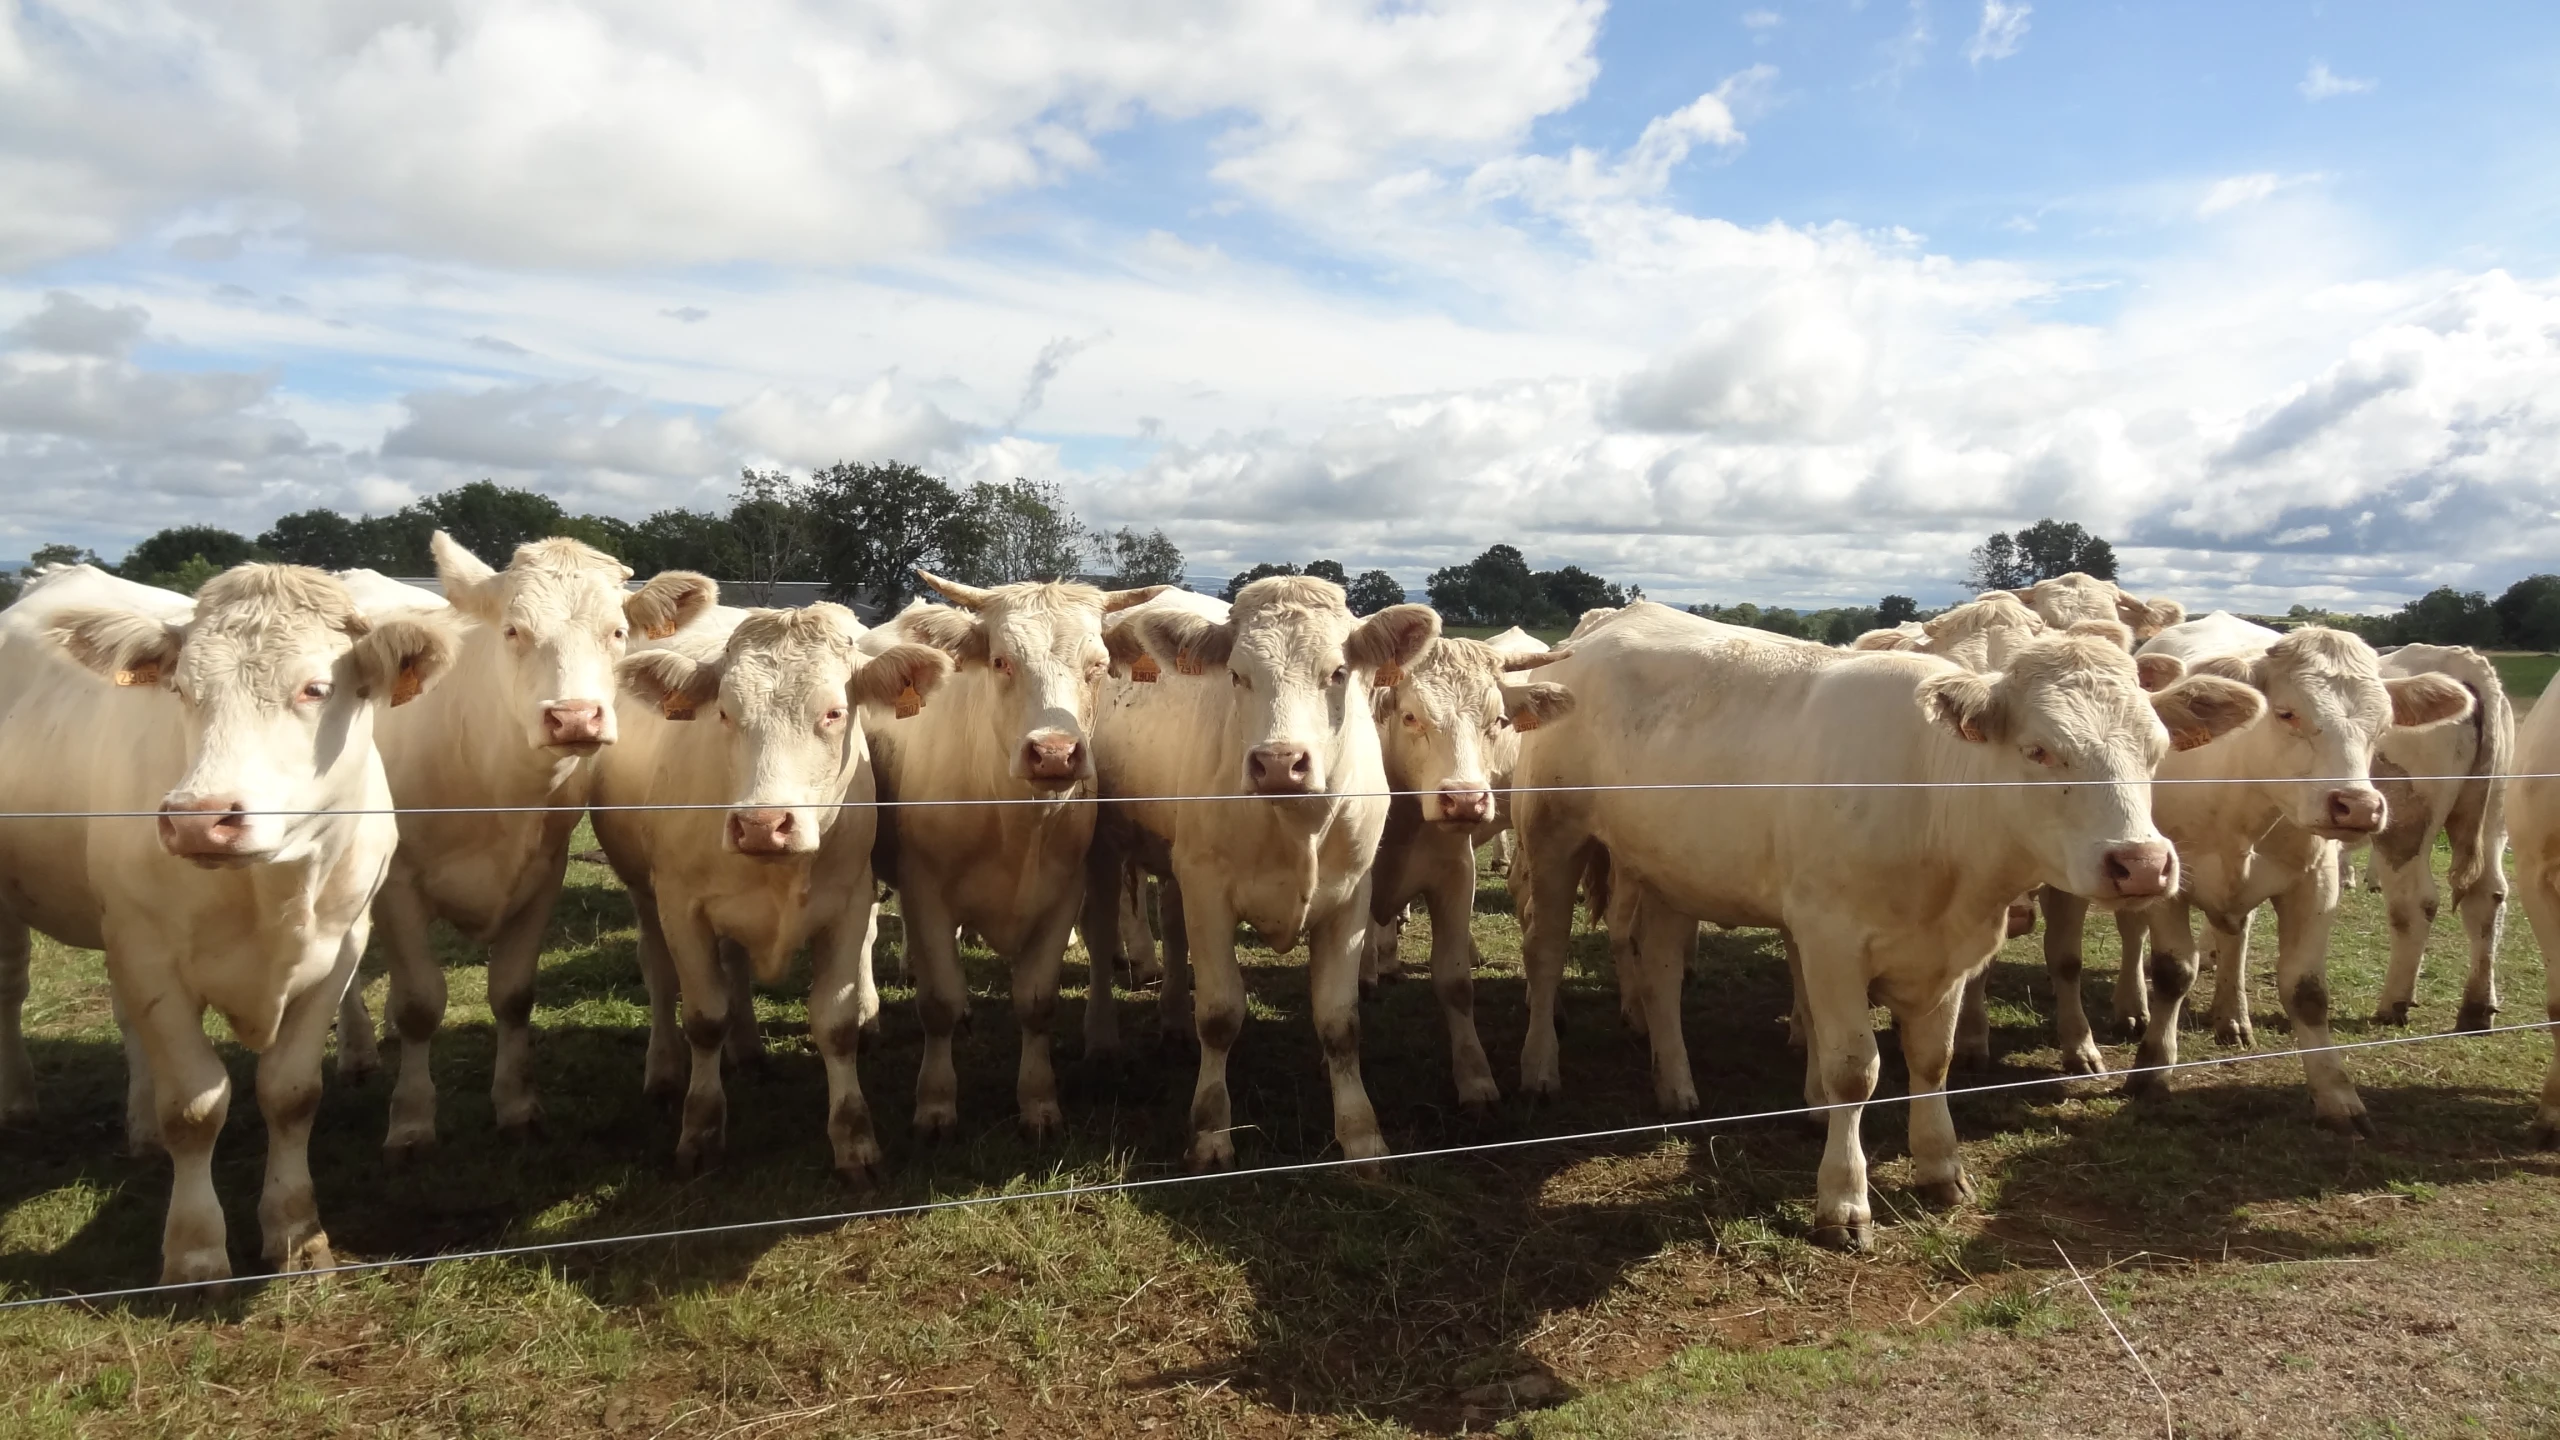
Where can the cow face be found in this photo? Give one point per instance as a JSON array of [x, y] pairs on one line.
[[1041, 646], [1450, 727], [786, 693], [551, 627], [1301, 666], [1981, 634], [2070, 717], [277, 675], [2067, 599], [2328, 708]]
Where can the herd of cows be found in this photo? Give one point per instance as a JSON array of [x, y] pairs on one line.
[[228, 793]]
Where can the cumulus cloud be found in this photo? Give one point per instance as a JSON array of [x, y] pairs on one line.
[[2234, 192], [883, 420], [2002, 30], [2322, 83], [542, 427], [66, 324]]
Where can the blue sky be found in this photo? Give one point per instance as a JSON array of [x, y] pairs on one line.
[[1786, 302]]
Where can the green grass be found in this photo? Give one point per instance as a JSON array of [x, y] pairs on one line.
[[1635, 1282], [2526, 676]]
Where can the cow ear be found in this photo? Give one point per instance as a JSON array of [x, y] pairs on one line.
[[1129, 653], [900, 676], [1394, 637], [1534, 704], [670, 601], [1191, 644], [2159, 672], [1115, 601], [2202, 707], [399, 657], [470, 586], [2427, 699], [2228, 667], [2150, 619], [954, 632], [127, 648], [1890, 639], [2113, 632], [1382, 703], [1965, 703], [678, 685]]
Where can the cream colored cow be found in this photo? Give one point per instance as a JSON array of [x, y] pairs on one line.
[[2069, 599], [2533, 809], [2447, 779]]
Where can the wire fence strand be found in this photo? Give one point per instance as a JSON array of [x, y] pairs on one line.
[[1260, 1172]]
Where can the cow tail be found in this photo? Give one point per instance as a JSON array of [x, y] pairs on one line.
[[2477, 824]]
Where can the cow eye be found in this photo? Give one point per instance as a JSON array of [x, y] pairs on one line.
[[621, 632], [1004, 664], [1237, 678], [512, 632], [316, 691], [835, 715], [2287, 716], [1340, 674], [2040, 755]]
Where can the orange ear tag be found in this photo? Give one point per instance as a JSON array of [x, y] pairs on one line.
[[1144, 670], [1390, 673], [146, 673], [909, 702], [408, 686], [676, 707], [659, 631], [1188, 663], [1525, 720]]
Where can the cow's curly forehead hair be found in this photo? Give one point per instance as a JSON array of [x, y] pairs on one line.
[[771, 644], [259, 623], [2089, 670], [1277, 614], [2319, 659], [1455, 676], [555, 575]]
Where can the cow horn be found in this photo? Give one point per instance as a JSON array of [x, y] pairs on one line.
[[1533, 661], [967, 597]]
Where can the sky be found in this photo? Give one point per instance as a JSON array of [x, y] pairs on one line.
[[1783, 302]]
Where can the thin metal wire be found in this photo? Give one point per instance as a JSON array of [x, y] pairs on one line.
[[1300, 1167], [1507, 790]]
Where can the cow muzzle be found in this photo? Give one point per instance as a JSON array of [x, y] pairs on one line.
[[574, 724], [2139, 872], [1465, 805], [2352, 812], [211, 833], [1053, 760], [768, 833], [1280, 770]]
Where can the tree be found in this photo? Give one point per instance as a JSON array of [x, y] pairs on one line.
[[1329, 570], [396, 544], [1134, 559], [685, 540], [1572, 590], [323, 539], [190, 575], [1243, 578], [157, 560], [609, 533], [63, 555], [1373, 591], [876, 524], [490, 520], [776, 533], [2446, 616], [2529, 613], [1496, 588], [1005, 533], [1896, 610], [2039, 552]]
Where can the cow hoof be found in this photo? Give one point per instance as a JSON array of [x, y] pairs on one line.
[[1855, 1238], [696, 1154], [2232, 1032], [2352, 1122], [1211, 1152], [2084, 1061], [2543, 1134], [1679, 1104], [2396, 1013], [665, 1089], [208, 1266], [1946, 1194], [1042, 1122], [1478, 1097], [860, 1177], [525, 1129], [1372, 1146], [309, 1253], [353, 1069], [2474, 1017], [936, 1122], [2146, 1085], [2129, 1028], [1972, 1059]]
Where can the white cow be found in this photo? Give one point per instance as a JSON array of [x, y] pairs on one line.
[[1013, 725], [2533, 809], [1271, 704], [1896, 892], [757, 718], [2069, 599], [1450, 730], [248, 728], [2256, 816], [531, 708], [2452, 779]]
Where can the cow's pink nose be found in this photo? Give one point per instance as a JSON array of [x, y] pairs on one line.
[[192, 829], [2356, 810], [2136, 871], [761, 832], [1280, 769], [1051, 757], [1465, 806], [573, 722]]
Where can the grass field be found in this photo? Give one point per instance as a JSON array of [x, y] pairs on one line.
[[2277, 1279], [2525, 674]]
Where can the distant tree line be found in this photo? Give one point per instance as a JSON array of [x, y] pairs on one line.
[[861, 529], [1498, 588], [1370, 591], [2525, 617], [1836, 626]]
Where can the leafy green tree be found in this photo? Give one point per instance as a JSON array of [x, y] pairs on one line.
[[685, 540], [776, 530], [190, 575], [1896, 610], [1134, 559], [1571, 591], [489, 519], [2446, 616], [1003, 533], [1243, 578], [1495, 588], [2529, 613], [1329, 570], [2039, 552], [609, 533], [1374, 590], [396, 544], [323, 539], [157, 560], [878, 522]]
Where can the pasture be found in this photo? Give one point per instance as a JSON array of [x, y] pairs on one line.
[[2276, 1279]]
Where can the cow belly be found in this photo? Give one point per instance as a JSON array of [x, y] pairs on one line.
[[477, 884]]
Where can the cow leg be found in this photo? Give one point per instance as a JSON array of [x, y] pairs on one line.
[[663, 1076], [695, 954], [2542, 912], [840, 970], [1379, 942], [1844, 1054], [1506, 846], [1928, 1038], [416, 1006], [1973, 1021], [17, 1072], [2229, 950], [1211, 922], [2065, 918], [746, 1038], [2482, 904], [359, 1055], [1333, 993], [1035, 1009], [933, 953], [2172, 968], [191, 1095], [514, 955], [288, 1097], [1174, 1024], [1137, 939], [2304, 915], [1448, 874], [1624, 916], [1799, 1020], [2133, 986], [1666, 940], [141, 1097], [2409, 895], [866, 983], [1552, 854], [1103, 915]]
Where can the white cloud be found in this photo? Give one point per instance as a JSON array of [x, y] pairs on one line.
[[1761, 22], [2002, 31], [2234, 192], [2321, 83]]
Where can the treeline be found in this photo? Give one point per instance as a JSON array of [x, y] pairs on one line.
[[2525, 617], [860, 529], [1836, 626]]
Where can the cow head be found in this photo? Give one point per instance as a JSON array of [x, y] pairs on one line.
[[2065, 599], [2070, 712], [2328, 708], [1041, 647], [786, 692], [1302, 666], [278, 675], [551, 626], [1982, 634], [1450, 726]]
